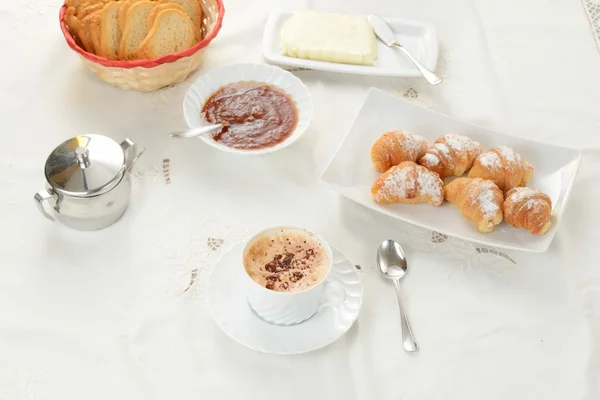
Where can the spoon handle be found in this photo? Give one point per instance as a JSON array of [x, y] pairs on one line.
[[203, 130], [427, 74], [408, 339]]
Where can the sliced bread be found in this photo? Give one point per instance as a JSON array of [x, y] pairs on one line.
[[74, 3], [172, 31], [86, 31], [135, 28], [71, 20], [88, 9], [194, 11], [110, 34], [77, 28], [83, 4], [162, 6], [123, 12], [92, 23]]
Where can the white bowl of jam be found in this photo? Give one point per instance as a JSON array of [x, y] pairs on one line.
[[263, 107]]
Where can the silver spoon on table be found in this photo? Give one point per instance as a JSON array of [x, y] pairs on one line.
[[386, 35], [392, 265], [202, 130]]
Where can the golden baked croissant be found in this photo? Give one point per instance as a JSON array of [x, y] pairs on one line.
[[408, 183], [451, 155], [528, 208], [502, 165], [478, 199], [394, 147]]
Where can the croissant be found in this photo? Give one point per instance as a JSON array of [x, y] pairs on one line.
[[408, 183], [502, 165], [528, 208], [478, 199], [451, 155], [394, 147]]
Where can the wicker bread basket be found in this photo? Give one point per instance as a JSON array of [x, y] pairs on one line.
[[150, 75]]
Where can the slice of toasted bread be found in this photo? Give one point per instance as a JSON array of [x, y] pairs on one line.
[[80, 5], [76, 27], [110, 34], [74, 3], [88, 9], [173, 31], [86, 31], [84, 35], [92, 23], [72, 21], [135, 29], [123, 12], [161, 6], [194, 11]]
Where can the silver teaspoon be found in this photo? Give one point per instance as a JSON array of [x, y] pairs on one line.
[[386, 35], [203, 130], [393, 266]]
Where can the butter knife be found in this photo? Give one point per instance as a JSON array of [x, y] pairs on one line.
[[386, 35]]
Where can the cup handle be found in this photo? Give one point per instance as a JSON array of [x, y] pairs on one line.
[[334, 294], [40, 197]]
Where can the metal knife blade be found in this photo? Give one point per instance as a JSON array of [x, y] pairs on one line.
[[382, 30]]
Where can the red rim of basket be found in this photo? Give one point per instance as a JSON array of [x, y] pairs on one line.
[[141, 63]]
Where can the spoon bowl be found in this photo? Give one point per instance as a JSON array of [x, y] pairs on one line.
[[391, 260]]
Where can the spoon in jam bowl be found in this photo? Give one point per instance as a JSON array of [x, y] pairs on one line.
[[393, 266], [202, 130]]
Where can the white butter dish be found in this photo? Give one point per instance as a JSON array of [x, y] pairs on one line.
[[418, 37]]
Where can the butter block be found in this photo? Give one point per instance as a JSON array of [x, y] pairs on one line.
[[345, 39]]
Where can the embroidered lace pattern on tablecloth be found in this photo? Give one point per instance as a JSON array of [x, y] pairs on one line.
[[154, 173], [190, 264], [592, 9], [419, 91], [463, 254]]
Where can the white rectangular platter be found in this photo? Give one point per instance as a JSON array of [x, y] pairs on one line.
[[419, 38], [351, 173]]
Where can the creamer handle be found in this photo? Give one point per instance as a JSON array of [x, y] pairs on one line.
[[42, 196], [131, 154]]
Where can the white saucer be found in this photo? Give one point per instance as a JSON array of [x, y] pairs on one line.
[[230, 310]]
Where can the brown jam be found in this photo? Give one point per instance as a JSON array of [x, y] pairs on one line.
[[258, 115]]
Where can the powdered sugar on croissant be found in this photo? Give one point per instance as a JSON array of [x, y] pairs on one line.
[[502, 165], [528, 208], [451, 155], [478, 199], [395, 147], [408, 183]]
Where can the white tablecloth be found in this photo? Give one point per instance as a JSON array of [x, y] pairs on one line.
[[118, 313]]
